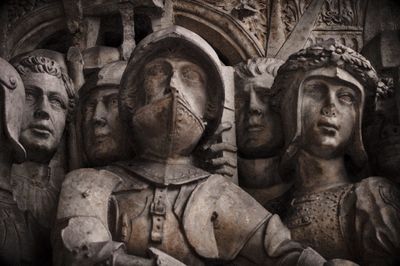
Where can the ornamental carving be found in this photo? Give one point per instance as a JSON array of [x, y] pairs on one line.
[[199, 132], [252, 14]]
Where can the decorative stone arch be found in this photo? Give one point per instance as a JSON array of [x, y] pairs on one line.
[[226, 35], [33, 29]]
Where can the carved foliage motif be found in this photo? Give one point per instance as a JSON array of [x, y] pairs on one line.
[[334, 12], [340, 12], [292, 12], [251, 13], [338, 19]]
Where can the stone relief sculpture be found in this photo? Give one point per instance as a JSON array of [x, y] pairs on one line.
[[323, 90], [16, 246], [36, 183], [382, 131], [165, 158], [259, 130], [101, 135], [159, 199], [381, 126]]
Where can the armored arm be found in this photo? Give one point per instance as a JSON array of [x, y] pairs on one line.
[[81, 235], [224, 223], [271, 244], [377, 228]]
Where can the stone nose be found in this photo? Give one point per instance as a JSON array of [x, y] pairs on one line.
[[329, 110], [175, 83], [99, 116], [42, 109], [255, 105]]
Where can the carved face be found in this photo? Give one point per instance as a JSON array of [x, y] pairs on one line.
[[382, 139], [162, 75], [45, 113], [170, 123], [103, 134], [329, 114], [258, 128]]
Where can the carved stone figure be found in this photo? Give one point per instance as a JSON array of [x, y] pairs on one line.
[[101, 135], [382, 124], [258, 129], [16, 246], [171, 97], [36, 183], [382, 131], [321, 93]]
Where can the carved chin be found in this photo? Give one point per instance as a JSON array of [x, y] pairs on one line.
[[103, 152], [39, 143]]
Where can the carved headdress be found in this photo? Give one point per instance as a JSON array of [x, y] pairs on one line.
[[13, 95], [108, 75], [180, 42], [329, 59]]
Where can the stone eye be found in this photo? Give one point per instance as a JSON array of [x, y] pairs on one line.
[[113, 102], [347, 98], [191, 75], [156, 70]]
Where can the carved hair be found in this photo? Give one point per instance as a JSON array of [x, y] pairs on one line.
[[258, 66], [40, 64]]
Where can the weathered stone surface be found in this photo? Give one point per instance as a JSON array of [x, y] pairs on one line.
[[321, 93], [198, 102]]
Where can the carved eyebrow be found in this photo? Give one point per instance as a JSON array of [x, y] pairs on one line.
[[317, 84], [110, 96], [33, 89], [264, 90], [347, 89], [160, 62]]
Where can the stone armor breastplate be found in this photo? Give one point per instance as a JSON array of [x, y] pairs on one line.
[[152, 218], [313, 220]]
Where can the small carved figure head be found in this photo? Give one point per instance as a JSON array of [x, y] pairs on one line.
[[258, 125], [382, 130], [172, 93], [50, 98], [321, 92], [101, 134], [13, 99]]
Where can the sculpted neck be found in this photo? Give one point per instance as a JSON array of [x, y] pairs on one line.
[[33, 170], [316, 174], [5, 169], [39, 156], [259, 173]]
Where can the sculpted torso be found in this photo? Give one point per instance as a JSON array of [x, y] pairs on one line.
[[326, 209]]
